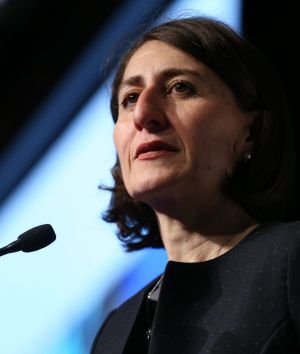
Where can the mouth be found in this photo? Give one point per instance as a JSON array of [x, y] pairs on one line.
[[153, 149]]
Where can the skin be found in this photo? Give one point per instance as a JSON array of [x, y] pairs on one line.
[[167, 96]]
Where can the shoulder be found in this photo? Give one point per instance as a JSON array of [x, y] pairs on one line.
[[270, 244], [280, 226], [134, 300], [278, 233], [124, 311], [118, 324]]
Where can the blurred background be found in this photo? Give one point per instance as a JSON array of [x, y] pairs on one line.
[[56, 149]]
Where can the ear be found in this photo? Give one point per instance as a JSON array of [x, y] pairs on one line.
[[248, 138]]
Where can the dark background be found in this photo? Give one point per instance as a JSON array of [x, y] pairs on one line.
[[39, 41]]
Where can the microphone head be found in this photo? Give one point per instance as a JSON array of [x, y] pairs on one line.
[[36, 238]]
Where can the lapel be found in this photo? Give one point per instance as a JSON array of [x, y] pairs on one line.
[[115, 331]]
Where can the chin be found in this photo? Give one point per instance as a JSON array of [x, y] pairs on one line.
[[143, 194], [146, 191]]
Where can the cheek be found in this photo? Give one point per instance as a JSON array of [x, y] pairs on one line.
[[117, 140], [210, 142], [122, 140]]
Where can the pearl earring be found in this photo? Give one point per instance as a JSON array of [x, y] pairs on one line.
[[247, 156]]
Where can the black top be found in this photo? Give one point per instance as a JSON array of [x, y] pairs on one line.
[[245, 301]]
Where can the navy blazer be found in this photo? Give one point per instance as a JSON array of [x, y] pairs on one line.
[[245, 301]]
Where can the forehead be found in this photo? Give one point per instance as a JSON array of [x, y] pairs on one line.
[[156, 60], [154, 56]]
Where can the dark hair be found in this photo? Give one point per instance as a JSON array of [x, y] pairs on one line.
[[264, 184]]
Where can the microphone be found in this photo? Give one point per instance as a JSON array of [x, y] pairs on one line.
[[31, 240]]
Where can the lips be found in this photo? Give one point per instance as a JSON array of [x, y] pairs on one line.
[[153, 146]]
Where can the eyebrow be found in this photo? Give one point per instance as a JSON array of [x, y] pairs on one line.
[[165, 74]]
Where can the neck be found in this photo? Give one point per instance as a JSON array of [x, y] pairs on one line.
[[214, 233]]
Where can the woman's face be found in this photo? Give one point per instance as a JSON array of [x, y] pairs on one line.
[[179, 128]]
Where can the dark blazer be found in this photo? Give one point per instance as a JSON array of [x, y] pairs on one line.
[[245, 301]]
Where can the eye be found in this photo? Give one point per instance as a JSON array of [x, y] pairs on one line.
[[181, 88], [130, 99]]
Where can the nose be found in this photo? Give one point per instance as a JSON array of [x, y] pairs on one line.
[[149, 112]]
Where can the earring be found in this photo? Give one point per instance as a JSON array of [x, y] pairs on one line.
[[247, 156]]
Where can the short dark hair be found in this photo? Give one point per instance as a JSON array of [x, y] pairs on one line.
[[263, 186]]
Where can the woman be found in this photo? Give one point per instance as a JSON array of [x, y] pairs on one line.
[[205, 167]]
